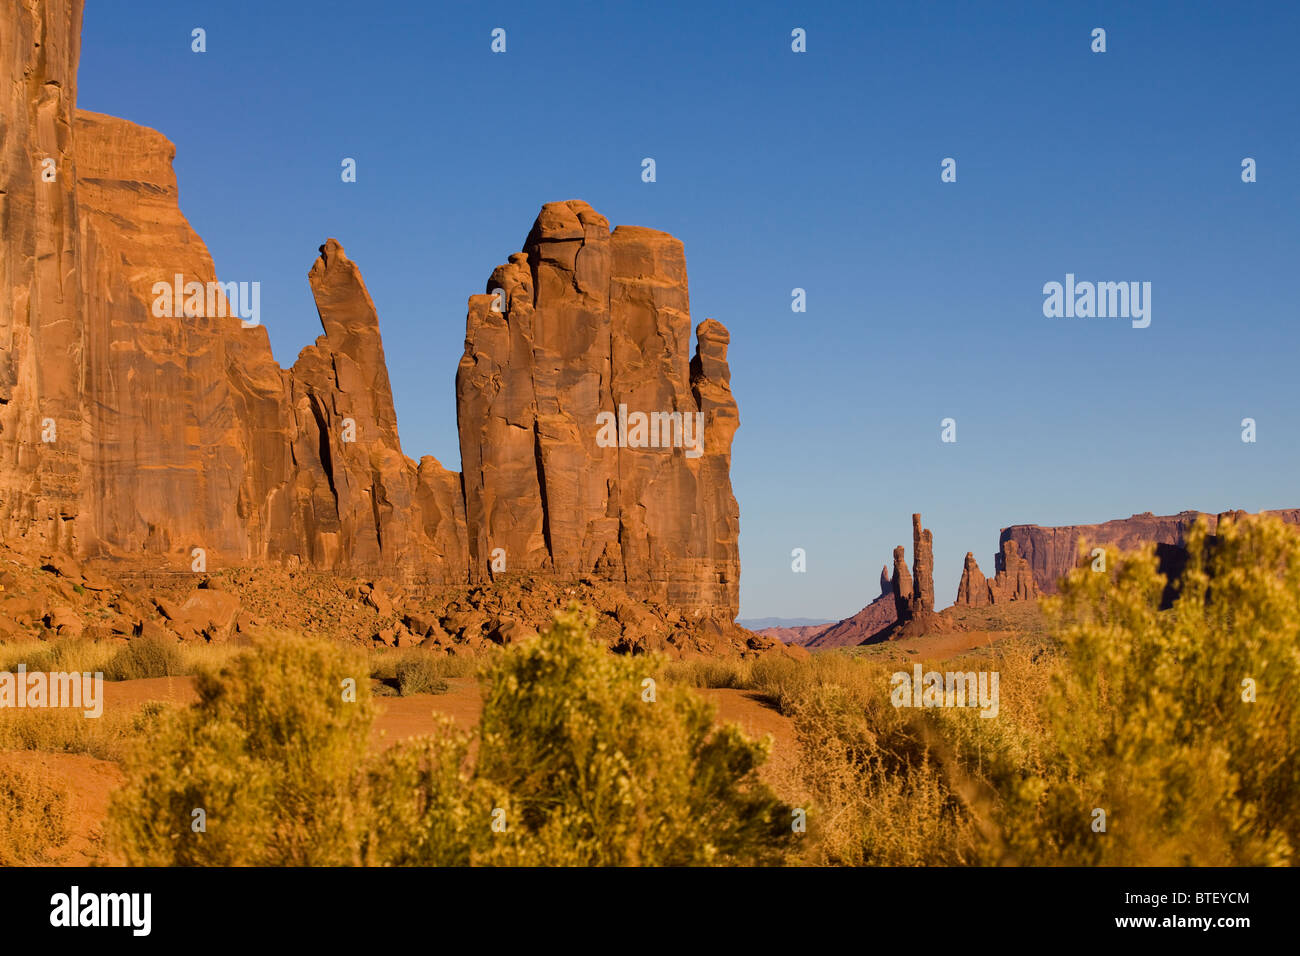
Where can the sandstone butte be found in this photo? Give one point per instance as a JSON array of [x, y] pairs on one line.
[[1050, 552], [136, 438]]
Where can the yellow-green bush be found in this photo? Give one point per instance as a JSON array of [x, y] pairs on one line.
[[570, 762], [597, 774], [418, 673], [877, 794], [272, 753], [425, 809], [146, 657], [1151, 717], [33, 817], [1130, 709]]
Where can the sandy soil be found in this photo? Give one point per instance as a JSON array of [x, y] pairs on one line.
[[399, 718], [88, 783], [129, 694], [757, 717]]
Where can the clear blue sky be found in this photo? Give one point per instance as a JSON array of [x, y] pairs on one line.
[[781, 170]]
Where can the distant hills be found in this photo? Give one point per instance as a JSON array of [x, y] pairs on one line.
[[759, 623]]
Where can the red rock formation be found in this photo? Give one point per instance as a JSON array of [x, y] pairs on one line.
[[1014, 581], [1051, 552], [382, 509], [901, 586], [870, 622], [179, 431], [177, 407], [196, 438], [974, 588], [590, 322], [914, 594], [922, 569], [40, 297]]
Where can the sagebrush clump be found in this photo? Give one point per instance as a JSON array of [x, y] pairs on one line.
[[1183, 725], [574, 763], [602, 767], [33, 817], [419, 674], [146, 657], [270, 757]]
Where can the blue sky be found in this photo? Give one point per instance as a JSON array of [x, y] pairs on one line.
[[779, 170]]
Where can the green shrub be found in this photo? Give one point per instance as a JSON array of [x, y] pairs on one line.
[[590, 773], [1151, 717], [425, 809], [880, 786], [273, 752], [571, 764], [146, 657], [418, 674]]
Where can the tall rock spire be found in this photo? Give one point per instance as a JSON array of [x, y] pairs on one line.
[[591, 440], [922, 569]]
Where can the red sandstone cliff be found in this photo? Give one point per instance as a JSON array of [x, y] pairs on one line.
[[590, 322], [40, 295], [140, 434], [196, 438]]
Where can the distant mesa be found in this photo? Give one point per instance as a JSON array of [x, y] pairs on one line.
[[763, 623], [1051, 552]]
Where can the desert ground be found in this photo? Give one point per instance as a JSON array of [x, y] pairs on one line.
[[89, 781]]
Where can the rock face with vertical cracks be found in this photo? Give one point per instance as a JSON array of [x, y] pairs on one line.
[[196, 438], [586, 323], [139, 431], [357, 500], [40, 296]]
